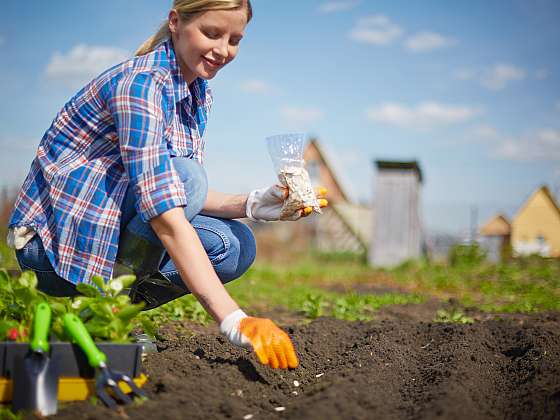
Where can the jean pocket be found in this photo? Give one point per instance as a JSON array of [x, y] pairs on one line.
[[33, 256]]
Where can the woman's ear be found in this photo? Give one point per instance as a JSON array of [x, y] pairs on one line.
[[173, 20]]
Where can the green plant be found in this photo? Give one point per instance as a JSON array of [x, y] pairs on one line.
[[18, 298], [105, 311], [466, 254], [313, 305], [351, 307], [455, 316]]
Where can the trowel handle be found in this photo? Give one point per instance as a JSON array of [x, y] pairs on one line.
[[41, 326], [79, 334]]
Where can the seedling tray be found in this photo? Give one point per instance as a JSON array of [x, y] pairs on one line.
[[76, 375], [71, 360]]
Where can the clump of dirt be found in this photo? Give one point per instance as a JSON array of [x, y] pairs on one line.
[[390, 369]]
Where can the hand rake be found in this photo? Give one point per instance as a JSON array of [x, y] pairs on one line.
[[107, 381]]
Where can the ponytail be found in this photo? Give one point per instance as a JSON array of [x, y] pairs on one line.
[[149, 45]]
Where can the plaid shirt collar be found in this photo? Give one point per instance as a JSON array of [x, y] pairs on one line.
[[182, 90]]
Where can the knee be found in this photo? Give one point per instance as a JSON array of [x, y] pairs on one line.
[[240, 254], [193, 176]]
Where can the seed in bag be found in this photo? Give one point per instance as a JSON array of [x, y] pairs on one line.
[[300, 191]]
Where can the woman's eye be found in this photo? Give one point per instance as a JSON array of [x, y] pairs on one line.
[[212, 35]]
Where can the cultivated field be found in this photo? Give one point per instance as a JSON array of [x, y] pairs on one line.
[[460, 340], [466, 340]]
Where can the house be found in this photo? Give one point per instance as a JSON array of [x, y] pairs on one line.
[[496, 237], [535, 228]]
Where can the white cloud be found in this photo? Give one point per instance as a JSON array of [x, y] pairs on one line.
[[336, 6], [427, 41], [256, 86], [424, 115], [500, 75], [83, 62], [486, 132], [464, 74], [542, 74], [543, 145], [375, 30], [301, 114]]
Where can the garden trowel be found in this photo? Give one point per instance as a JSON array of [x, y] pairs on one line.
[[35, 376]]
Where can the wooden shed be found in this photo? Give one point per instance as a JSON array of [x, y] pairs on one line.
[[397, 228], [535, 229]]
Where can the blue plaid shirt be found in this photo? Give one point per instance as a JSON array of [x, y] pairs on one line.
[[119, 130]]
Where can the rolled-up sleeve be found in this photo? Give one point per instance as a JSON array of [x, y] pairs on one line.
[[139, 107]]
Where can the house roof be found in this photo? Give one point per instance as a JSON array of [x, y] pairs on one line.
[[497, 226], [544, 190], [392, 164], [315, 143]]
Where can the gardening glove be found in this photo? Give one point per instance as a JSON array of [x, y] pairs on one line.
[[271, 344], [265, 204]]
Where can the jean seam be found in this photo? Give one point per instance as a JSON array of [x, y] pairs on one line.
[[218, 259]]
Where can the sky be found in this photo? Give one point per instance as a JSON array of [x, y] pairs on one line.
[[469, 89]]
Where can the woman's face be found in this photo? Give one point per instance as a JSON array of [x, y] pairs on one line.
[[206, 43]]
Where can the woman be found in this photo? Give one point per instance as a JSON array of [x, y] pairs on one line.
[[118, 177]]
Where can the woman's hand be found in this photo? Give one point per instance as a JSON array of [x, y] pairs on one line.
[[272, 345], [266, 204]]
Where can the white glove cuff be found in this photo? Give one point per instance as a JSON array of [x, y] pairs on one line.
[[249, 206], [251, 200], [230, 328]]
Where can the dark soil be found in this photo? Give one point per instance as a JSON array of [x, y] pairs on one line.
[[386, 369]]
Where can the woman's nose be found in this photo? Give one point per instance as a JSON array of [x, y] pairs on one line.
[[222, 49]]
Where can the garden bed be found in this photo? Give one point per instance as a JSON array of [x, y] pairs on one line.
[[384, 369]]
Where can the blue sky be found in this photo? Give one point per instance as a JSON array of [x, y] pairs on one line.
[[471, 89]]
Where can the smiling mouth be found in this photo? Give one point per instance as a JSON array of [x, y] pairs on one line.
[[212, 63]]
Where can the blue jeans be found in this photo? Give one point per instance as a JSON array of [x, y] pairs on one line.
[[230, 246]]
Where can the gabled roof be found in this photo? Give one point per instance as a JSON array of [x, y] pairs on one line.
[[314, 143], [542, 190], [497, 226]]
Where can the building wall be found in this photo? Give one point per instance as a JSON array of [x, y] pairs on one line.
[[536, 229], [332, 234], [397, 231], [321, 175]]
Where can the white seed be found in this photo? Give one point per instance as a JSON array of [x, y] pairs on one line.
[[247, 417], [280, 408], [296, 383], [319, 375], [294, 392]]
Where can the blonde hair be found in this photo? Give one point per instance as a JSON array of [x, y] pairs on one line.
[[187, 9]]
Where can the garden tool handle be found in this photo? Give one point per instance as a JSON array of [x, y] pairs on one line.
[[78, 332], [41, 324]]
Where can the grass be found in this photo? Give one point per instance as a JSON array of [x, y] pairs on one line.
[[342, 286], [298, 289], [524, 285]]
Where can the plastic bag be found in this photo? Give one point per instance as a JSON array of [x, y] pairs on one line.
[[286, 151]]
